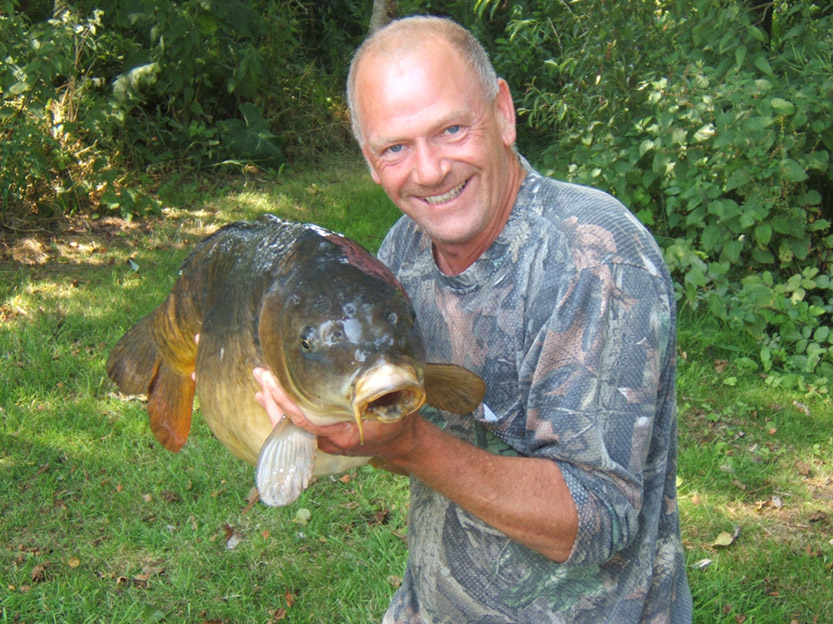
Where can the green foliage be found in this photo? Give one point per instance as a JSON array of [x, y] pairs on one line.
[[102, 90], [717, 137], [48, 94]]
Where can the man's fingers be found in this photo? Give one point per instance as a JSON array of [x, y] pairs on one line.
[[194, 374]]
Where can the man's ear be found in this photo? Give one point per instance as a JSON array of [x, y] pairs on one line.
[[505, 113]]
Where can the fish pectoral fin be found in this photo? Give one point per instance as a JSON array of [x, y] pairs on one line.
[[284, 466], [453, 388], [170, 402]]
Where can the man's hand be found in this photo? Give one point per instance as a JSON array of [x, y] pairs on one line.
[[383, 440], [505, 492]]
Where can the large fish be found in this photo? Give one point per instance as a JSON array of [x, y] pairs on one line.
[[327, 318]]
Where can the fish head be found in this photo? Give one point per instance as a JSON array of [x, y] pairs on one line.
[[343, 341]]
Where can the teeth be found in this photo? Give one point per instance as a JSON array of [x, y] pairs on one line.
[[439, 199]]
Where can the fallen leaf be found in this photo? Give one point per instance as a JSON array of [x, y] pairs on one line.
[[379, 517], [720, 366], [302, 516], [812, 552], [39, 572], [290, 599], [726, 538], [817, 516], [777, 502], [394, 581], [73, 562], [772, 430], [803, 468], [695, 499], [233, 537], [801, 408], [702, 564], [147, 498], [170, 497]]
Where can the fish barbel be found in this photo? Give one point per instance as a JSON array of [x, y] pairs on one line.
[[326, 317]]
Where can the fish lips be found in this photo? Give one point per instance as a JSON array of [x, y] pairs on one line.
[[387, 393]]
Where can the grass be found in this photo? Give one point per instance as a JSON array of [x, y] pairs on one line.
[[101, 525]]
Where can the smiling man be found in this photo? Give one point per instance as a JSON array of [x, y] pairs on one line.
[[555, 501]]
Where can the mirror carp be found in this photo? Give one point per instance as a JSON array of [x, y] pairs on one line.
[[325, 316]]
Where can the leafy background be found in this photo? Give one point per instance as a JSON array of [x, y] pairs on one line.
[[712, 121]]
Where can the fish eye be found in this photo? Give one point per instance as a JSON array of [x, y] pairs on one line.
[[308, 339], [392, 317]]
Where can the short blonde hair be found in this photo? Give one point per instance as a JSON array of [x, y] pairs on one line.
[[407, 34]]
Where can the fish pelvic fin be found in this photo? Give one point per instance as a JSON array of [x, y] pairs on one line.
[[453, 388], [170, 402], [285, 464], [134, 360]]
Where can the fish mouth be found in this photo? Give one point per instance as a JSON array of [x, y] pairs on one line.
[[386, 393]]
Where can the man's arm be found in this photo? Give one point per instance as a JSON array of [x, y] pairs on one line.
[[525, 498]]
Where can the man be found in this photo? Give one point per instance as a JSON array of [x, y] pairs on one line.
[[555, 501]]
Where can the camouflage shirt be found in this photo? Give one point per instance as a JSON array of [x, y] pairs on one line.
[[569, 317]]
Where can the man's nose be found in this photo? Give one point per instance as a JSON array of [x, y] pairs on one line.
[[430, 166]]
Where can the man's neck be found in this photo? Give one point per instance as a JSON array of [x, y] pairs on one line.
[[454, 259]]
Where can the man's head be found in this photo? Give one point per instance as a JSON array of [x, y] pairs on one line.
[[437, 128], [404, 35]]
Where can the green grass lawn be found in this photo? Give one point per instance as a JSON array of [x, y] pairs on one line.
[[98, 523]]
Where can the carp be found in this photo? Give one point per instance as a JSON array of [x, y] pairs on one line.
[[326, 317]]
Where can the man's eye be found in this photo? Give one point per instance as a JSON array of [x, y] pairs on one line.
[[453, 129], [394, 149]]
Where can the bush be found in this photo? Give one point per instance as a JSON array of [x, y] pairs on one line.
[[716, 135], [51, 160], [90, 96]]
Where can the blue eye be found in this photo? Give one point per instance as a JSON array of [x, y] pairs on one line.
[[453, 129], [394, 149]]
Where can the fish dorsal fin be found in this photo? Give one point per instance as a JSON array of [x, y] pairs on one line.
[[284, 466], [453, 388], [170, 401]]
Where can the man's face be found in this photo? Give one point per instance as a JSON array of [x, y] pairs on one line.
[[440, 151]]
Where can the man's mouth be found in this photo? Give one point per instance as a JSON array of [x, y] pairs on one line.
[[445, 197]]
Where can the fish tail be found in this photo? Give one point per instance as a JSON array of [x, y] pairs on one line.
[[137, 366], [134, 360]]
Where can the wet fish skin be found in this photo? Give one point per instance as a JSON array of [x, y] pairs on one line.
[[324, 315]]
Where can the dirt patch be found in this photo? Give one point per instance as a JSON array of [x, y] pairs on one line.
[[82, 240]]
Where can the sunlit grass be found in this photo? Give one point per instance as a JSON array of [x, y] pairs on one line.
[[101, 524]]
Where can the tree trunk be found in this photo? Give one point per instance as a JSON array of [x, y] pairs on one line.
[[383, 12]]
